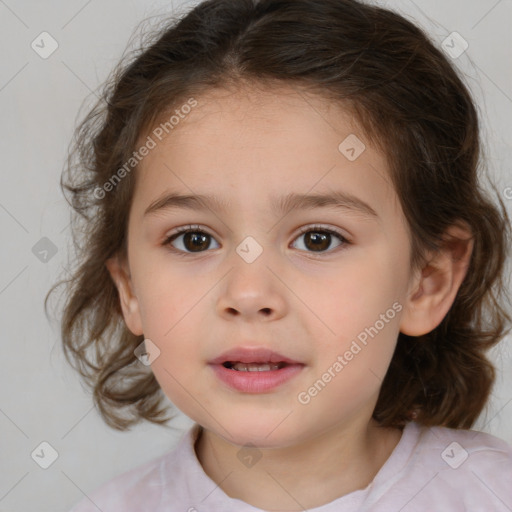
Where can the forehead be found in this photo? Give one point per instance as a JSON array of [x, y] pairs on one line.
[[249, 144]]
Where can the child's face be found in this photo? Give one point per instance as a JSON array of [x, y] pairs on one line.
[[311, 306]]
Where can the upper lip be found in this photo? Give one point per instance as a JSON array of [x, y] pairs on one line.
[[252, 355]]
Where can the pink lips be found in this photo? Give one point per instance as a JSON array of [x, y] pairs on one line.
[[254, 381]]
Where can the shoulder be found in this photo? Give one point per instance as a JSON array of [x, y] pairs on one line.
[[465, 449], [141, 488], [124, 492], [454, 467]]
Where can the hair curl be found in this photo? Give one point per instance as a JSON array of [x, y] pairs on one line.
[[409, 101]]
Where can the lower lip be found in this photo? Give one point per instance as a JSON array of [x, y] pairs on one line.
[[256, 382]]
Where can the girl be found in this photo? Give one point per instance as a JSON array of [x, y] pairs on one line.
[[286, 236]]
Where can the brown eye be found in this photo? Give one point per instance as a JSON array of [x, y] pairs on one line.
[[196, 241], [317, 241], [320, 239], [190, 240]]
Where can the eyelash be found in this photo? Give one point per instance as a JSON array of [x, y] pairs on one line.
[[307, 229]]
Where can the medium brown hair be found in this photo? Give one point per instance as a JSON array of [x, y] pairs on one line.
[[408, 100]]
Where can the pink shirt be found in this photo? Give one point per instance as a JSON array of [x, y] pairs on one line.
[[430, 470]]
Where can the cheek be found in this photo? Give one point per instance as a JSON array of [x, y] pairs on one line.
[[179, 368], [362, 312], [165, 296], [180, 386], [357, 296], [169, 305], [169, 321]]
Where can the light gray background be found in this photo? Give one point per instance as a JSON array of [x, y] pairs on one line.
[[41, 397]]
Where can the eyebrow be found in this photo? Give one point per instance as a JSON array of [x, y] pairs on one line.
[[338, 200]]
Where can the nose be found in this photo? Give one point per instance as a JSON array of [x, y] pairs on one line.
[[252, 291]]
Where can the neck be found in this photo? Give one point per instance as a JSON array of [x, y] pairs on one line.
[[302, 476]]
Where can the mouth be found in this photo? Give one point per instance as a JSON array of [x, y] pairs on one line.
[[255, 370], [253, 367], [258, 359]]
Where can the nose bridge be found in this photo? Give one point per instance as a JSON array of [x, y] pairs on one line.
[[251, 287]]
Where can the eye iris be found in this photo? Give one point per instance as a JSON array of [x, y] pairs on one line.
[[318, 239], [196, 242]]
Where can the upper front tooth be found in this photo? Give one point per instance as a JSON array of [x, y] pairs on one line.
[[254, 367], [259, 368]]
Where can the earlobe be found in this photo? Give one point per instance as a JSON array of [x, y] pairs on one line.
[[435, 288], [120, 274]]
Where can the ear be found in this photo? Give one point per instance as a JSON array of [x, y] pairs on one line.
[[435, 287], [129, 303]]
